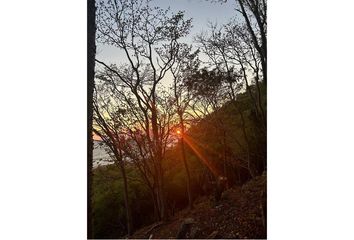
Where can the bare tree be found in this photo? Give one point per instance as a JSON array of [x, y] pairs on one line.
[[148, 37], [137, 145], [254, 14], [107, 126], [187, 63], [231, 51], [209, 88]]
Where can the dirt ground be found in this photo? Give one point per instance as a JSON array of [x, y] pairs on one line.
[[238, 215]]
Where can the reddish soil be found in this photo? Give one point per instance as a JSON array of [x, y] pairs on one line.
[[237, 215]]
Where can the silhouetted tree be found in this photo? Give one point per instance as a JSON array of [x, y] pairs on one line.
[[254, 13], [108, 127], [186, 63], [91, 52], [148, 36]]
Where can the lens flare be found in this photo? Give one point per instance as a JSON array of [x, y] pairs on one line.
[[202, 156]]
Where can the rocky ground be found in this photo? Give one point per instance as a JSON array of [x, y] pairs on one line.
[[239, 214]]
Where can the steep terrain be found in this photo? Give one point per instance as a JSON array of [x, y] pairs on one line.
[[239, 214]]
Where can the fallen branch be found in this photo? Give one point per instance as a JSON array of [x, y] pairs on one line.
[[153, 227]]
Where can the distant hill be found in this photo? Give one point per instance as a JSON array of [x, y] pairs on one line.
[[216, 142]]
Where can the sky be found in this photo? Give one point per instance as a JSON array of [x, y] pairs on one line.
[[201, 11]]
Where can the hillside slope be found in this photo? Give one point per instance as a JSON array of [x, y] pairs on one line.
[[239, 214]]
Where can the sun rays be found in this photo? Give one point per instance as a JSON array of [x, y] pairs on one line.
[[201, 155]]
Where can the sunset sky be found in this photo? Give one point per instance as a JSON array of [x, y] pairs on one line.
[[201, 11]]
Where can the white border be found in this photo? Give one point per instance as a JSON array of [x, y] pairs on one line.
[[43, 119]]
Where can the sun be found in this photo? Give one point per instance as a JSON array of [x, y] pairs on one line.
[[178, 132]]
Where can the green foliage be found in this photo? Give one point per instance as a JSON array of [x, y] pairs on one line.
[[108, 202], [108, 206], [134, 115]]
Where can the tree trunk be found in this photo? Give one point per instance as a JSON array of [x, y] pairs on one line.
[[156, 207], [126, 200], [158, 157], [190, 200], [161, 194], [91, 52], [261, 48], [225, 158], [250, 165]]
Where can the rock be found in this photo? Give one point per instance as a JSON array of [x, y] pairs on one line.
[[213, 235], [218, 206], [185, 228], [188, 221], [194, 232]]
